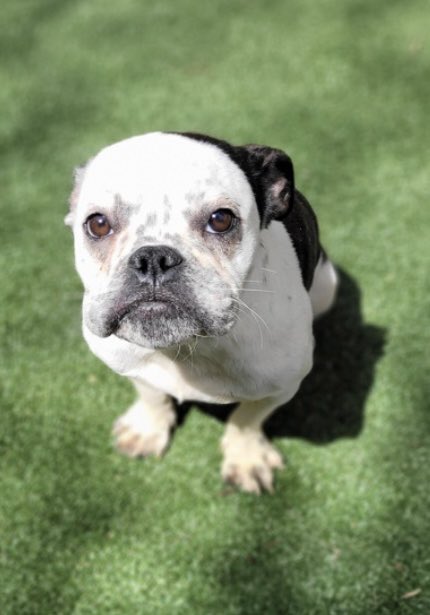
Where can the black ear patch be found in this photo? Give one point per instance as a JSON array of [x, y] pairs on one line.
[[271, 174], [279, 200]]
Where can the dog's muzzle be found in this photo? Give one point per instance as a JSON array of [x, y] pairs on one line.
[[154, 305], [153, 272], [157, 302]]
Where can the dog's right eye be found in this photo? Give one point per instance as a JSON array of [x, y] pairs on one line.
[[98, 226]]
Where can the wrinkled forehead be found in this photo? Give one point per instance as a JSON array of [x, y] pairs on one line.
[[158, 170]]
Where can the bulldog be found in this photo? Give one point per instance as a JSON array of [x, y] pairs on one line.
[[202, 273]]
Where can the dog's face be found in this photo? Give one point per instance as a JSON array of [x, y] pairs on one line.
[[166, 227]]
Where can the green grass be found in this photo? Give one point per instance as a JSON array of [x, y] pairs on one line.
[[344, 87]]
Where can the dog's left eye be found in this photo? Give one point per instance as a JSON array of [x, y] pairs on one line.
[[98, 226], [221, 221]]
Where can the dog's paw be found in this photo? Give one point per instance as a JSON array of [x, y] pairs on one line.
[[249, 460], [138, 433]]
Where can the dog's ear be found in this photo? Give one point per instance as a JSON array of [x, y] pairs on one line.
[[271, 173], [78, 178]]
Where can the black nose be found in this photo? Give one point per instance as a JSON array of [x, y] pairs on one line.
[[155, 263]]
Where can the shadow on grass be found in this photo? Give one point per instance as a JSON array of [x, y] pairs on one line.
[[330, 403]]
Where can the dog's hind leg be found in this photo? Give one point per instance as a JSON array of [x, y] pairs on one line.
[[324, 285], [145, 429]]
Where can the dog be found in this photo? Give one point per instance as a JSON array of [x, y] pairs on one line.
[[202, 273]]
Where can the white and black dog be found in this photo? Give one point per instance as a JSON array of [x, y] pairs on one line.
[[203, 272]]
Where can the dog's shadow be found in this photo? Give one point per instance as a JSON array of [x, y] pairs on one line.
[[330, 403]]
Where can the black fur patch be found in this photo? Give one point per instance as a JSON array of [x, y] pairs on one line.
[[302, 226], [271, 176]]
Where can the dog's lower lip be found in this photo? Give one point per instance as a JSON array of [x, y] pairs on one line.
[[155, 306], [152, 306]]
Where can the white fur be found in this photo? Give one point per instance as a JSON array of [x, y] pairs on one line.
[[323, 289], [262, 360]]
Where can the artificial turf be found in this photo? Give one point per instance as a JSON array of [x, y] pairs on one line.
[[344, 87]]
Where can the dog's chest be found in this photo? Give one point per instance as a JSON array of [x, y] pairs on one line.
[[189, 377], [184, 376], [217, 377]]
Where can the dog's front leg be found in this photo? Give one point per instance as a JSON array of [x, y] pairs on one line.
[[145, 429], [249, 457]]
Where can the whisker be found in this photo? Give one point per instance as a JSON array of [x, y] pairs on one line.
[[256, 314], [178, 352], [256, 290], [269, 270], [191, 351], [258, 319]]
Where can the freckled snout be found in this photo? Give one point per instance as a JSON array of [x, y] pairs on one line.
[[155, 264]]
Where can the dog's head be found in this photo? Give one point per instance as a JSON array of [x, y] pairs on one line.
[[166, 227]]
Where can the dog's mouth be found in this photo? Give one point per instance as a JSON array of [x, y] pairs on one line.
[[141, 310], [157, 318]]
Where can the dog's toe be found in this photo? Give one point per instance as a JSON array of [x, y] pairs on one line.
[[135, 445], [249, 461], [248, 478], [236, 476]]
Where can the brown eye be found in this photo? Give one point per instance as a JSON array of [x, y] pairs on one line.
[[98, 226], [220, 221]]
